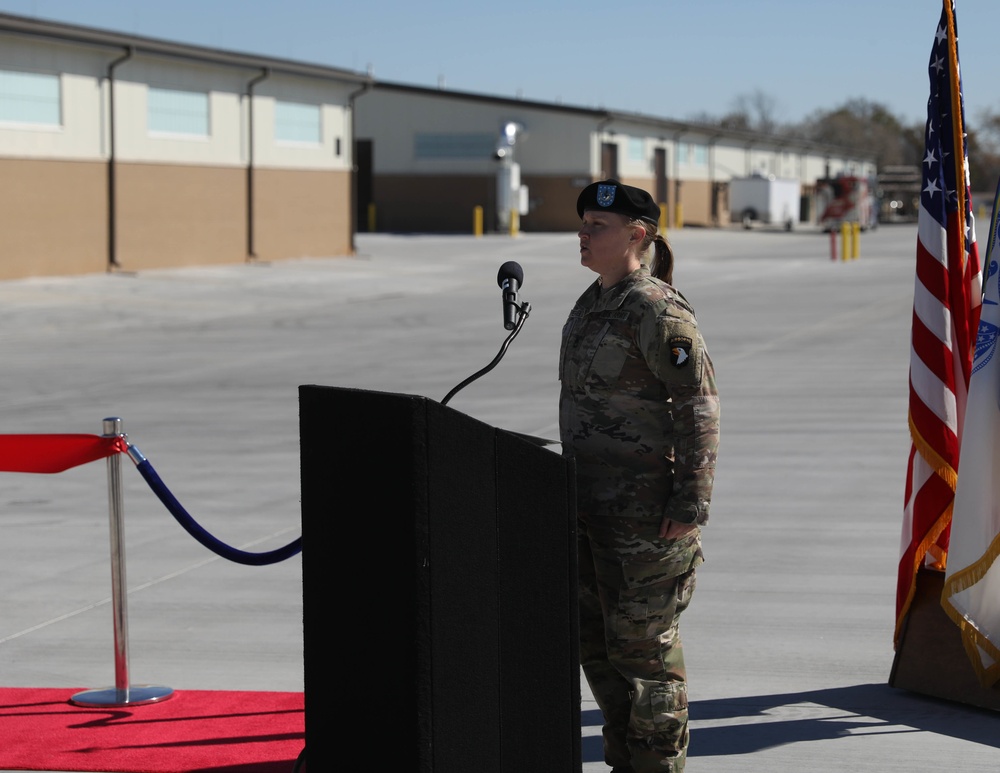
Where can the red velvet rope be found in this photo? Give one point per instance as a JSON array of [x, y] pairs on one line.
[[55, 453]]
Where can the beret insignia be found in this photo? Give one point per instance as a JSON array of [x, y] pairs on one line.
[[606, 195]]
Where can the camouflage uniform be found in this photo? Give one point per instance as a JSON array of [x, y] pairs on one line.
[[639, 413]]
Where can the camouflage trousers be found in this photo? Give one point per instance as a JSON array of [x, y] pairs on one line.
[[633, 588]]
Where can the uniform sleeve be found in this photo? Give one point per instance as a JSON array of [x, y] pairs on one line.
[[677, 355]]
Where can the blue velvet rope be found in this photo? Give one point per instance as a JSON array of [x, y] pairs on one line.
[[206, 539]]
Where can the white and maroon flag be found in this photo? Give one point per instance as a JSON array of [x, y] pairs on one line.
[[971, 595], [946, 302]]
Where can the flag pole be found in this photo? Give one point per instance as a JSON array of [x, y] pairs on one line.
[[958, 130]]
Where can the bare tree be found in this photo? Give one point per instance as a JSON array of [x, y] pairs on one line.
[[867, 126], [984, 151], [757, 112]]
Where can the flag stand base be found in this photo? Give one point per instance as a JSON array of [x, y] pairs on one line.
[[930, 657]]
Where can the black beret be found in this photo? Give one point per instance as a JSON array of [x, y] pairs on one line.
[[612, 196]]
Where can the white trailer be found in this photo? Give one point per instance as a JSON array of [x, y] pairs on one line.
[[768, 200]]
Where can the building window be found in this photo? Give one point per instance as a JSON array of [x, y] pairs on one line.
[[295, 122], [636, 149], [178, 112], [693, 154], [454, 145], [29, 98]]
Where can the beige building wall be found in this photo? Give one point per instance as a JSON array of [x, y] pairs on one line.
[[302, 213], [696, 203], [181, 199], [53, 217], [173, 215]]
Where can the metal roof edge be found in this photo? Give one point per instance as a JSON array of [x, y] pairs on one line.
[[471, 96], [73, 33]]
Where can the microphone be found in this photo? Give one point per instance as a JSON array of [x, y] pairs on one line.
[[510, 278]]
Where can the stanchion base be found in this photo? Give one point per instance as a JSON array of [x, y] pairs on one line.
[[136, 695]]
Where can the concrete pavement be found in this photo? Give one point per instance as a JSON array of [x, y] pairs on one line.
[[789, 637]]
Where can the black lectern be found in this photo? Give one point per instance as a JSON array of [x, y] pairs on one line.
[[439, 589]]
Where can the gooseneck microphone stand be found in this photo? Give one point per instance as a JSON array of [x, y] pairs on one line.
[[522, 314]]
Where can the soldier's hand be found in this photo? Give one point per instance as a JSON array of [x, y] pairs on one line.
[[675, 530]]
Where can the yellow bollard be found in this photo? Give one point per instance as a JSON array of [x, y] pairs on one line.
[[856, 241], [982, 212], [845, 241], [515, 222], [678, 215], [663, 218], [371, 218], [477, 221]]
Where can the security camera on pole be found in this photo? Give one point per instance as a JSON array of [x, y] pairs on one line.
[[512, 197]]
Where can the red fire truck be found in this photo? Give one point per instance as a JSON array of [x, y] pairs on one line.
[[846, 199]]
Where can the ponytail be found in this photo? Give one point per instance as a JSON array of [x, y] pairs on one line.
[[662, 265]]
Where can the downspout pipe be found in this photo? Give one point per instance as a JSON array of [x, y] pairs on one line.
[[352, 217], [112, 161], [715, 183], [251, 248]]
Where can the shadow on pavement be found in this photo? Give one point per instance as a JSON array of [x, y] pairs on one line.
[[764, 721]]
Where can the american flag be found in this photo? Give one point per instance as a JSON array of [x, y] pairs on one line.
[[946, 301]]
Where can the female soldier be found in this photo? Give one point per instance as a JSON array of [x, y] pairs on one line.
[[639, 413]]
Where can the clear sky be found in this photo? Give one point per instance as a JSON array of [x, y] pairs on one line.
[[665, 58]]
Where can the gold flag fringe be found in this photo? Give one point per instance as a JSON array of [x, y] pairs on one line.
[[972, 638], [947, 473]]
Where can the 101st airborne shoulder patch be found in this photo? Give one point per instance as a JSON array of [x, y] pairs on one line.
[[680, 351]]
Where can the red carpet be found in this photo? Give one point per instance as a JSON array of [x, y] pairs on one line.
[[195, 731]]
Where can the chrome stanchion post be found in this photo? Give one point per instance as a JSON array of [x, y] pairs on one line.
[[122, 694], [119, 587]]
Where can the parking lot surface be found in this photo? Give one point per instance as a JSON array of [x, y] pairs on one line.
[[789, 638]]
